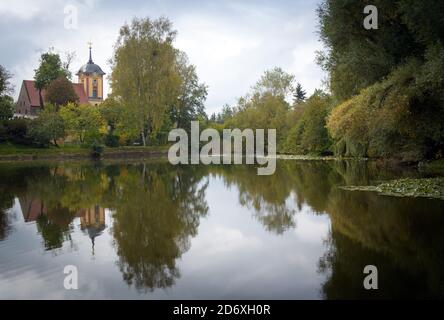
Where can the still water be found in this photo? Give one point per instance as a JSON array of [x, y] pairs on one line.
[[154, 231]]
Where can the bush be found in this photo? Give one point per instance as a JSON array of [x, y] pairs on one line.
[[47, 127], [112, 141], [96, 149], [16, 131], [3, 136]]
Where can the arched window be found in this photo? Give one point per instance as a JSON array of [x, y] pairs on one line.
[[94, 88]]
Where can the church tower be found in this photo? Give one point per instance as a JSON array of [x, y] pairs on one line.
[[91, 77]]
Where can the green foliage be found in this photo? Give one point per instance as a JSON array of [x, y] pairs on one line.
[[192, 95], [226, 113], [309, 135], [50, 68], [6, 107], [47, 128], [111, 140], [299, 94], [389, 83], [407, 28], [399, 117], [96, 149], [266, 107], [60, 92], [145, 75], [83, 122], [265, 111], [276, 82], [5, 84], [16, 131], [6, 101]]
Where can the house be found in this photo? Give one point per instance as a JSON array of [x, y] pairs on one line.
[[28, 103], [89, 89]]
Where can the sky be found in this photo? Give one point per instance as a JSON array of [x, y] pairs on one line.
[[230, 42]]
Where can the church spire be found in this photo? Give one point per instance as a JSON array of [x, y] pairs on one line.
[[90, 56]]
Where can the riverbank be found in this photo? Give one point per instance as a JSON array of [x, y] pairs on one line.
[[9, 152]]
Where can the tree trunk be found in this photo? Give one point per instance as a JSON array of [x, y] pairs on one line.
[[41, 99], [143, 138]]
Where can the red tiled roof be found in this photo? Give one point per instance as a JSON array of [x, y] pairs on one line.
[[33, 93]]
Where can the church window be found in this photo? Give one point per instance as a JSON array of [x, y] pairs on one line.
[[95, 88]]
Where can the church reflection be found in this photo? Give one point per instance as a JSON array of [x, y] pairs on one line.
[[92, 222], [55, 223]]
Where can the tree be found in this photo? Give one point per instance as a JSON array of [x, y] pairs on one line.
[[47, 127], [275, 81], [112, 112], [144, 73], [390, 105], [299, 94], [50, 68], [60, 92], [6, 107], [5, 84], [6, 101], [192, 95], [83, 121], [407, 27], [309, 134]]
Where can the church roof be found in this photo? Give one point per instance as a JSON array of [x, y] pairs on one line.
[[33, 93], [91, 67]]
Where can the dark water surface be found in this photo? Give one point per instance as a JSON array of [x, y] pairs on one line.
[[152, 230]]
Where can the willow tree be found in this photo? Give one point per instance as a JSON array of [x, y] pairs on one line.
[[144, 73]]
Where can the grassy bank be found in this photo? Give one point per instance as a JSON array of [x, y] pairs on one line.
[[18, 152]]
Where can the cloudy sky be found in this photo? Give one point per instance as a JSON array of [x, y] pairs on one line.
[[231, 42]]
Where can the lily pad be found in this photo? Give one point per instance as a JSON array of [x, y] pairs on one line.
[[426, 187]]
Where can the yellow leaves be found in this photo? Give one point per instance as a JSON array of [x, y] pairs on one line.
[[380, 116]]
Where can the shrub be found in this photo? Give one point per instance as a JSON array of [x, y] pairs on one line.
[[96, 149], [112, 141], [3, 136], [47, 127], [16, 131]]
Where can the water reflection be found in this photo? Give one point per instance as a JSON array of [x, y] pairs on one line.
[[152, 212]]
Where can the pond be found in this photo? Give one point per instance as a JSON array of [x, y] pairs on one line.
[[151, 230]]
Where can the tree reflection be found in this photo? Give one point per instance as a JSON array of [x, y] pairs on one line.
[[401, 236], [266, 196], [156, 213], [156, 210]]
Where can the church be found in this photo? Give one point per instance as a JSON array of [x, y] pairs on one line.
[[89, 89]]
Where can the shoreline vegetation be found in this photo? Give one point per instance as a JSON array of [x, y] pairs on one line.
[[407, 187], [420, 187], [10, 152]]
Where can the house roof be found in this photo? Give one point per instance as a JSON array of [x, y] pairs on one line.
[[33, 93]]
